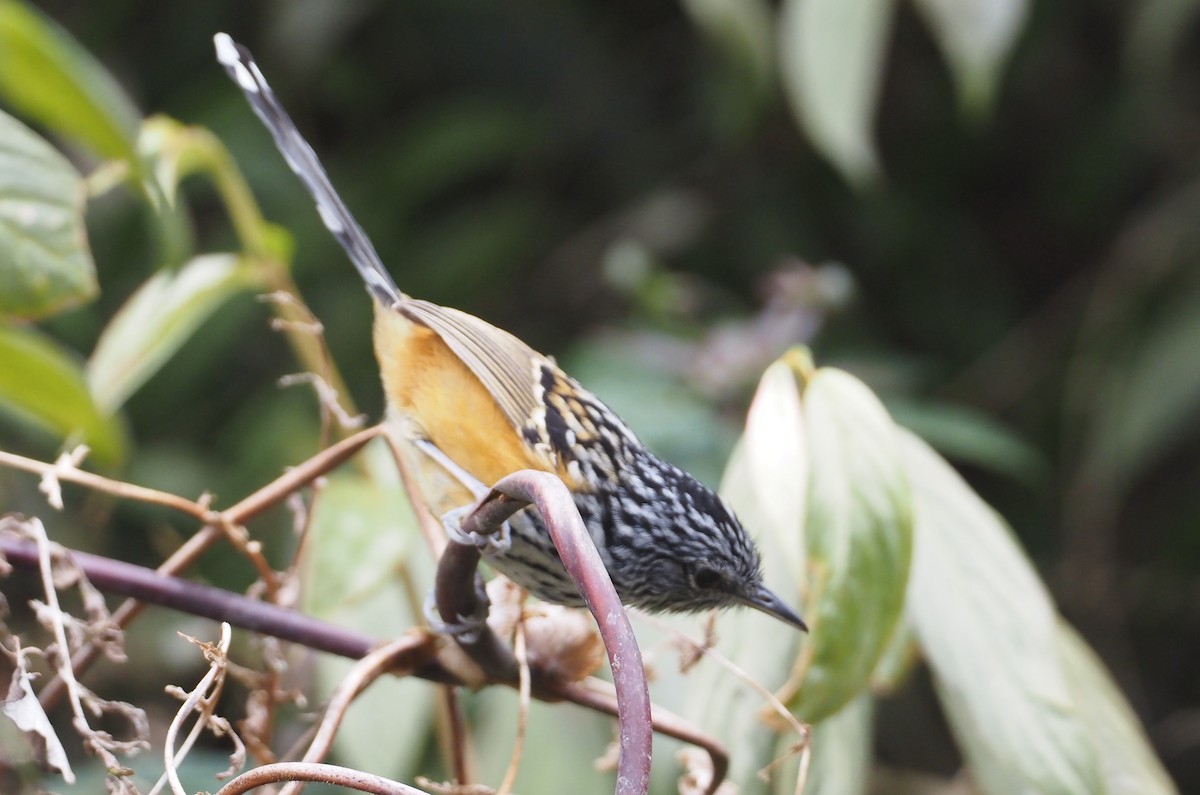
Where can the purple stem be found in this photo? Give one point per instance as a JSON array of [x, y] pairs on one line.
[[582, 562]]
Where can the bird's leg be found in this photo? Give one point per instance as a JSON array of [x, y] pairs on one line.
[[490, 544], [466, 629]]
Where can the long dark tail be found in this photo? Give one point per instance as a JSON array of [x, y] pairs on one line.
[[239, 63]]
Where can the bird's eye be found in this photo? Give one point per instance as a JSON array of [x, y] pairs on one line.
[[706, 578]]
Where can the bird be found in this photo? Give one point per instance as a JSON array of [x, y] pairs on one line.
[[478, 404]]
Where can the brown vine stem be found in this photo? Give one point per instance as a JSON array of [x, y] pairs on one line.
[[457, 602], [312, 771], [127, 579], [215, 522], [396, 657]]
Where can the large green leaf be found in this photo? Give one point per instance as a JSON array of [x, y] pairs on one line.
[[1127, 762], [365, 568], [832, 54], [858, 533], [158, 319], [45, 264], [817, 479], [42, 384], [764, 482], [989, 632], [46, 75]]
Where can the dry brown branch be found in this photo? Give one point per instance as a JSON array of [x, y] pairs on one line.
[[325, 774], [396, 658], [692, 648], [51, 615], [514, 763], [203, 700], [191, 550]]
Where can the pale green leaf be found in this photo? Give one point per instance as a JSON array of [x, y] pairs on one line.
[[859, 536], [366, 568], [896, 663], [976, 37], [841, 752], [989, 633], [562, 745], [832, 55], [157, 319], [42, 384], [46, 75], [1127, 762], [765, 483], [45, 264], [830, 456], [776, 455]]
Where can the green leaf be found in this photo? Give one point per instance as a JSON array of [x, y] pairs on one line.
[[157, 319], [45, 264], [46, 75], [40, 383], [366, 568], [971, 436], [841, 752], [976, 37], [1127, 762], [989, 632], [778, 462], [763, 648], [817, 480], [858, 531], [831, 55]]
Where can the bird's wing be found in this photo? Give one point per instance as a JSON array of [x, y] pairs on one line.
[[508, 368]]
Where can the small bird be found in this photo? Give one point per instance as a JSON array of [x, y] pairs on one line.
[[479, 404]]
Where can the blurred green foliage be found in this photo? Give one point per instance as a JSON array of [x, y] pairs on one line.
[[1010, 209]]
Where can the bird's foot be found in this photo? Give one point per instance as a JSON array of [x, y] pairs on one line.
[[465, 629], [487, 543]]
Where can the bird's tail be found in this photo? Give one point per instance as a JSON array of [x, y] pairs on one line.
[[239, 63]]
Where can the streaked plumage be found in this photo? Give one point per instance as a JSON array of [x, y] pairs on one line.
[[482, 404]]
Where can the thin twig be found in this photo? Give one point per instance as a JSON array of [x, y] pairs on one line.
[[117, 488], [514, 763], [325, 774], [599, 696], [452, 735], [192, 549], [396, 657], [773, 703], [98, 742], [430, 525], [198, 599], [200, 694]]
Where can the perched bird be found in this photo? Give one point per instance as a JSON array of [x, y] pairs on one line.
[[477, 404]]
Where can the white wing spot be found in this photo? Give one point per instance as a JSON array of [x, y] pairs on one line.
[[257, 75], [330, 218], [226, 52]]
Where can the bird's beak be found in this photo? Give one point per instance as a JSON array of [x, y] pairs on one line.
[[772, 605]]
